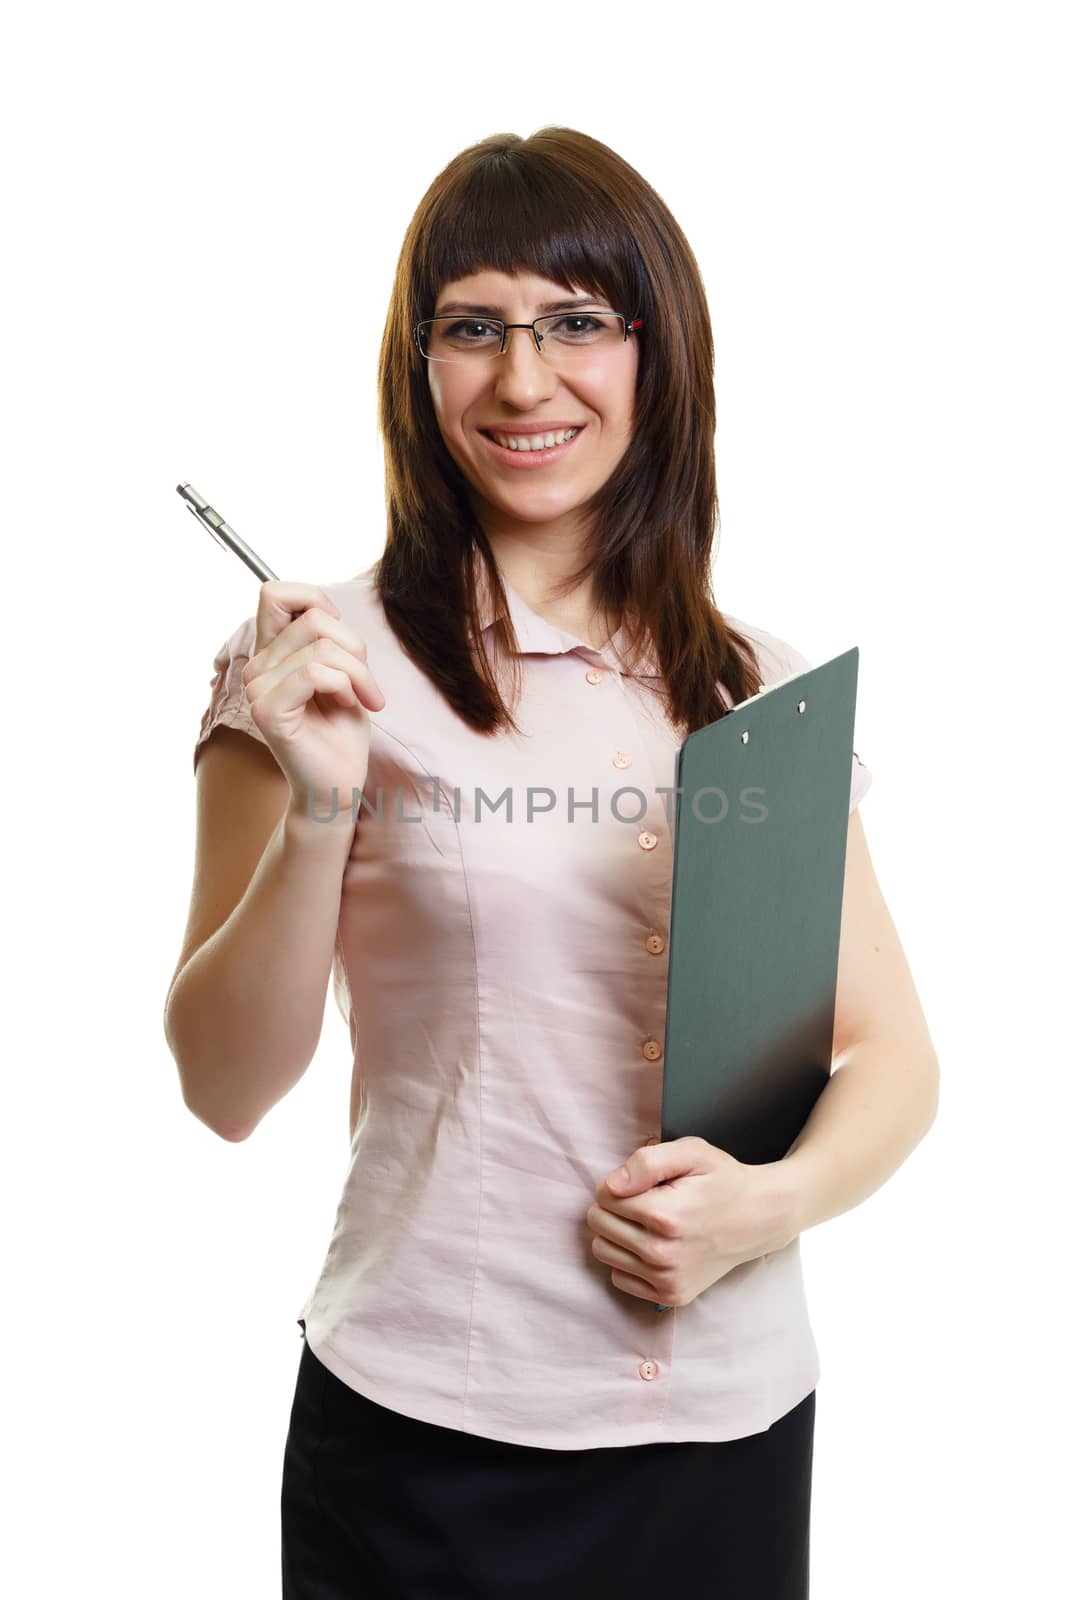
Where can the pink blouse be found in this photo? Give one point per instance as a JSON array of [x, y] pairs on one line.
[[502, 966]]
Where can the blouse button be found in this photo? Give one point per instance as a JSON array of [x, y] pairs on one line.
[[593, 676], [651, 1050], [647, 841], [654, 943], [648, 1369], [620, 759]]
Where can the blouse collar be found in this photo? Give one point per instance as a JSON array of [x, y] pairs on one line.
[[535, 635]]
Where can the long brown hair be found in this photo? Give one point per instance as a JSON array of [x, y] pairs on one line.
[[564, 206]]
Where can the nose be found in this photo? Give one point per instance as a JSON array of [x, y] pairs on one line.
[[523, 375]]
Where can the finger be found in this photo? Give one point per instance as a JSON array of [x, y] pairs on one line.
[[313, 626], [632, 1237], [304, 628], [626, 1209], [278, 658], [635, 1286], [294, 683], [613, 1255], [314, 623], [335, 655], [280, 602]]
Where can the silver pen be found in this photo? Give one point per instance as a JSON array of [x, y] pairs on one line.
[[222, 533]]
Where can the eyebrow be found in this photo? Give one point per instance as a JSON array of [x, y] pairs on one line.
[[498, 311]]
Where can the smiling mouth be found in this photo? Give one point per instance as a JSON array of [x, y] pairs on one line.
[[522, 456]]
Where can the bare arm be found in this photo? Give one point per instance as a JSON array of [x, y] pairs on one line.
[[882, 1095], [245, 1007]]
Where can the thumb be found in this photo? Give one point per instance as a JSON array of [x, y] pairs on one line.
[[621, 1179]]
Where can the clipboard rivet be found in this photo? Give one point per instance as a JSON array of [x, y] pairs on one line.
[[802, 704], [744, 737]]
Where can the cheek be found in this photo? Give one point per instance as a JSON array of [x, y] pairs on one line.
[[433, 383], [613, 403], [450, 407], [447, 405]]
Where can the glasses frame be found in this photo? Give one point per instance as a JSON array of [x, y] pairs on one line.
[[628, 326]]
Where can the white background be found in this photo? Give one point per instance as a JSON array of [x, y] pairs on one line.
[[204, 206]]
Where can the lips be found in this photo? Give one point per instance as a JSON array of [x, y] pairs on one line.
[[529, 460], [519, 428], [532, 432]]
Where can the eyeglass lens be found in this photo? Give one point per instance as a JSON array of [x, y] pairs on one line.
[[561, 338]]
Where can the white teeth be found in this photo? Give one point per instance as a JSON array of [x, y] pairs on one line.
[[532, 441]]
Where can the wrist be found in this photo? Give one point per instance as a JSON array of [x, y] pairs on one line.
[[307, 820], [796, 1195]]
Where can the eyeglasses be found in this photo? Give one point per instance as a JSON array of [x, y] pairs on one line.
[[571, 337]]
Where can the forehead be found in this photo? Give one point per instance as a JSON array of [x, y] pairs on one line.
[[525, 290]]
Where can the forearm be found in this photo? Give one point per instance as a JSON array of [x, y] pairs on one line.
[[244, 1015], [879, 1103]]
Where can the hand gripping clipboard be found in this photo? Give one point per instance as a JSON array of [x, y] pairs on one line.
[[755, 921]]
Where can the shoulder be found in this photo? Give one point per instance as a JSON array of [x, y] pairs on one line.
[[237, 648], [358, 602], [776, 656]]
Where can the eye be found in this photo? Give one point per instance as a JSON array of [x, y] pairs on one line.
[[468, 328], [576, 328]]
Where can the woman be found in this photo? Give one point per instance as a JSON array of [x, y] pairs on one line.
[[488, 1401]]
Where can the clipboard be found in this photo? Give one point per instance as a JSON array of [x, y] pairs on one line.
[[760, 826]]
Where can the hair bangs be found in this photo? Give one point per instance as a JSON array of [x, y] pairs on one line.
[[519, 213]]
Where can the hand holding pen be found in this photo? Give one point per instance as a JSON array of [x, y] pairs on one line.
[[307, 682]]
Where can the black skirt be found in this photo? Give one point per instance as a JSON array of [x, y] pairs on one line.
[[382, 1506]]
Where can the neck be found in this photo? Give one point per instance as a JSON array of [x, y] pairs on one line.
[[539, 571]]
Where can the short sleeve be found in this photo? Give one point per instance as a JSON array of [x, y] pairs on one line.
[[784, 660], [227, 704], [862, 778]]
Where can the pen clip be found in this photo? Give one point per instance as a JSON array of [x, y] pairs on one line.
[[205, 517]]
